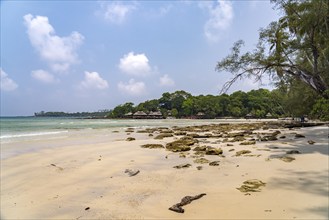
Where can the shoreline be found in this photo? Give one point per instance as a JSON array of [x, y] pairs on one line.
[[87, 180]]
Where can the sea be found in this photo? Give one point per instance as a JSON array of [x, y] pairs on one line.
[[20, 135]]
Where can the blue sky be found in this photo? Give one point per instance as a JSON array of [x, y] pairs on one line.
[[90, 55]]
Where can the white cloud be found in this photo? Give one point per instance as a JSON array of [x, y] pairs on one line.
[[132, 87], [94, 81], [221, 15], [136, 65], [43, 76], [116, 12], [59, 52], [166, 81], [6, 84]]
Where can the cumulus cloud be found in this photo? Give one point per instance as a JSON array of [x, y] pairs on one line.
[[132, 87], [94, 81], [166, 81], [116, 12], [43, 76], [220, 18], [59, 52], [6, 83], [136, 65]]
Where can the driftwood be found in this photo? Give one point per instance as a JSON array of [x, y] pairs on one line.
[[186, 200]]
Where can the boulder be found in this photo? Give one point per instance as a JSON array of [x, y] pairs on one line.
[[248, 143], [252, 185], [239, 153], [152, 146], [214, 151], [201, 160]]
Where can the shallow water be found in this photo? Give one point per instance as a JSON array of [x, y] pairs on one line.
[[25, 134]]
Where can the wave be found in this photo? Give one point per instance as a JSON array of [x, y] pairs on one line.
[[31, 134]]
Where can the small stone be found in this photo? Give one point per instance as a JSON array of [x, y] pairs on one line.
[[239, 153], [132, 172], [287, 159], [130, 139], [299, 136], [214, 163], [152, 146], [311, 142], [185, 165], [248, 143], [201, 160], [293, 152]]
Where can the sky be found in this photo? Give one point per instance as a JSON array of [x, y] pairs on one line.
[[77, 56]]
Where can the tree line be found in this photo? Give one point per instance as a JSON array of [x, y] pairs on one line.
[[259, 103], [98, 114]]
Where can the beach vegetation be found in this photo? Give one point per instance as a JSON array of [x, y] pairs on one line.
[[293, 53]]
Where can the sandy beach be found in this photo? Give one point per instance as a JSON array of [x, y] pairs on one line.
[[87, 179]]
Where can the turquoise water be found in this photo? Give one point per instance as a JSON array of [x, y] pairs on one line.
[[20, 135], [16, 128]]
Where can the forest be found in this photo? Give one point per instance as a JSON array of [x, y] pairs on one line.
[[255, 104]]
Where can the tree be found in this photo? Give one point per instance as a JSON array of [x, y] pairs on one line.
[[295, 47]]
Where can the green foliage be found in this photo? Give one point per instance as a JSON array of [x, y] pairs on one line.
[[296, 47], [181, 104], [321, 109]]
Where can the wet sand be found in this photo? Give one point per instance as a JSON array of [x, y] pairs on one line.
[[88, 181]]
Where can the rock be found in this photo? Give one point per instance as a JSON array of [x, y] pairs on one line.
[[275, 133], [131, 172], [152, 146], [287, 159], [299, 136], [182, 144], [185, 165], [293, 152], [252, 185], [268, 138], [213, 151], [199, 167], [130, 130], [229, 145], [130, 139], [248, 143], [311, 142], [231, 150], [164, 135], [200, 148], [201, 160], [237, 139], [239, 153], [282, 137], [186, 200], [180, 133], [214, 163], [178, 148]]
